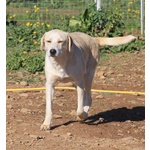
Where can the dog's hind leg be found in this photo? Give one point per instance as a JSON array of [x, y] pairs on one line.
[[84, 95]]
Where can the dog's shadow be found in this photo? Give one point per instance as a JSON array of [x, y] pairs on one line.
[[115, 115]]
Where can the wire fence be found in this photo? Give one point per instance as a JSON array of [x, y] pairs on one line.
[[50, 10], [45, 10], [28, 20]]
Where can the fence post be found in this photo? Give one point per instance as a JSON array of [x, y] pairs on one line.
[[142, 17], [98, 4]]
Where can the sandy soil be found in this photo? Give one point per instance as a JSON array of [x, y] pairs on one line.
[[116, 121]]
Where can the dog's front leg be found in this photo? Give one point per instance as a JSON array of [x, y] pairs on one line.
[[48, 115], [81, 97]]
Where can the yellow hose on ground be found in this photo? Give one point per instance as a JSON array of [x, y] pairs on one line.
[[72, 88]]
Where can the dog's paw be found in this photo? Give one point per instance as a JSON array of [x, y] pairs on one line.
[[45, 127], [82, 116]]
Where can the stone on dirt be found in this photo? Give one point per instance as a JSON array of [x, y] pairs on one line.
[[23, 83], [99, 97], [25, 110], [56, 116], [24, 94], [37, 137]]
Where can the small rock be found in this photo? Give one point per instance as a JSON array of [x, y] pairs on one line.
[[102, 77], [55, 134], [19, 120], [40, 137], [37, 137], [101, 119], [128, 121], [69, 134], [128, 132], [57, 116], [23, 83], [25, 110], [99, 97], [24, 95], [120, 75]]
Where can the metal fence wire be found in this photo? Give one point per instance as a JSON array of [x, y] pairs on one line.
[[50, 10]]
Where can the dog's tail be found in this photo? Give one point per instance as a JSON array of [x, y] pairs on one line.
[[115, 41]]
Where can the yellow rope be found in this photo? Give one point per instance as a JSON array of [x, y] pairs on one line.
[[72, 88]]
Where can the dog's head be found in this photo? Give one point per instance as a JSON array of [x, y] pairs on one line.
[[55, 42]]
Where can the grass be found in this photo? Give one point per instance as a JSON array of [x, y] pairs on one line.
[[27, 22]]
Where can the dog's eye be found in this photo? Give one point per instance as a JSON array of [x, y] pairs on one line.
[[60, 41], [49, 41]]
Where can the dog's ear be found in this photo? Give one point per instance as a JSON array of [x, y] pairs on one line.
[[69, 43], [42, 43]]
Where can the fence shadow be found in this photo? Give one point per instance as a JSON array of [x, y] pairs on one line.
[[118, 115]]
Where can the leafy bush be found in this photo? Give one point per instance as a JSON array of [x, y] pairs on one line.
[[23, 42], [98, 23], [23, 38]]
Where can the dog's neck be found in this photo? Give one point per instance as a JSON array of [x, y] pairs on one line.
[[58, 65], [61, 60]]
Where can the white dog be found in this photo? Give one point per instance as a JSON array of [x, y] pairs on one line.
[[73, 57]]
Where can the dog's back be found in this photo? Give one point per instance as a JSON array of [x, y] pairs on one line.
[[87, 44]]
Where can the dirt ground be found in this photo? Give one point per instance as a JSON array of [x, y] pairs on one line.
[[116, 121]]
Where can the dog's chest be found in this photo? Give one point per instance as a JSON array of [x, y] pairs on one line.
[[57, 69]]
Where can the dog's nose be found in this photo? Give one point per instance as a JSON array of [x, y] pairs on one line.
[[52, 52]]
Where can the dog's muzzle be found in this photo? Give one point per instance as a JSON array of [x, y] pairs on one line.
[[52, 52]]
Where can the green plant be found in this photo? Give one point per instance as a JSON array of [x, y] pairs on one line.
[[23, 38], [30, 61], [98, 23]]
